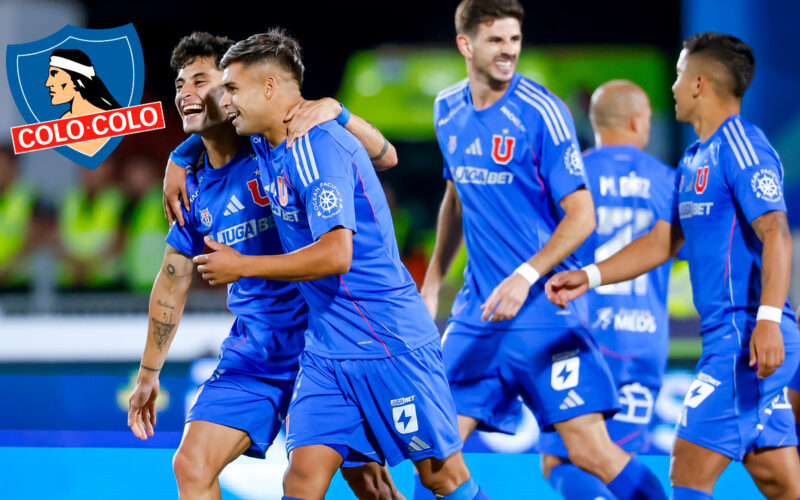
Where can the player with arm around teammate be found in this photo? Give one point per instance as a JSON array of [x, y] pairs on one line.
[[371, 370], [629, 321], [730, 216], [240, 409]]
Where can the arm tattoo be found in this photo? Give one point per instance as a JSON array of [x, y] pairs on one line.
[[383, 150], [150, 369], [173, 273], [164, 304], [162, 331]]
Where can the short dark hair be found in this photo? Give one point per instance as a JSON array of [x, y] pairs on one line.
[[732, 53], [198, 44], [273, 47], [471, 13]]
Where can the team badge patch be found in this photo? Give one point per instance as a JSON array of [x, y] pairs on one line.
[[451, 146], [205, 217], [573, 160], [326, 200], [502, 149], [80, 91], [564, 373], [697, 393], [405, 418], [766, 185]]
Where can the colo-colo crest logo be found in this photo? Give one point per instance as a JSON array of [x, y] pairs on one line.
[[80, 91]]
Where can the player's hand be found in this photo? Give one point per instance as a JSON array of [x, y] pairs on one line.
[[220, 267], [506, 299], [175, 192], [566, 286], [766, 348], [430, 296], [142, 407], [307, 115]]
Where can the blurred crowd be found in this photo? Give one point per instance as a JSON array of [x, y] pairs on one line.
[[107, 232]]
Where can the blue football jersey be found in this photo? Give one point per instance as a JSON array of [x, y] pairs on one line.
[[723, 184], [229, 204], [511, 164], [325, 181], [631, 191]]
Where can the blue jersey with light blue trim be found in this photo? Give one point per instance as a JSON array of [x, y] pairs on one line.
[[326, 181], [723, 184], [227, 203], [511, 164], [631, 191]]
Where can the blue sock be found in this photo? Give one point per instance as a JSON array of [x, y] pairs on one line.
[[637, 482], [573, 483], [421, 492], [290, 498], [469, 490], [683, 493], [797, 429]]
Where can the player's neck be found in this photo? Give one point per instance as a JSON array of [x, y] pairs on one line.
[[486, 93], [710, 119], [275, 130], [607, 137], [221, 145]]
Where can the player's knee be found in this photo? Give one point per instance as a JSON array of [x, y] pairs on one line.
[[443, 476], [191, 470], [586, 459]]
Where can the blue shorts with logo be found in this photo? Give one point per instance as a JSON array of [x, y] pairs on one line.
[[559, 373], [383, 410], [240, 395], [728, 409], [631, 427]]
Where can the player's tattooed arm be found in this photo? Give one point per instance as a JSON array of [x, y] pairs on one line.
[[308, 114], [766, 342], [167, 301], [166, 307], [772, 229]]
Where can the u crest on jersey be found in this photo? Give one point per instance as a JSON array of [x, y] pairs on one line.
[[701, 180], [502, 149], [255, 191]]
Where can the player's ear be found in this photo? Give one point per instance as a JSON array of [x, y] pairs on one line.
[[269, 86], [464, 45], [700, 84]]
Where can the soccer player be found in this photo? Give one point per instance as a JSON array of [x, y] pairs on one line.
[[240, 408], [516, 193], [629, 321], [729, 212], [372, 385]]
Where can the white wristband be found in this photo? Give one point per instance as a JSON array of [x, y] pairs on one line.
[[769, 313], [528, 272], [593, 273]]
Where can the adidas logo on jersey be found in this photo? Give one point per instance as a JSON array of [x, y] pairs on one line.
[[475, 148], [233, 206], [571, 401]]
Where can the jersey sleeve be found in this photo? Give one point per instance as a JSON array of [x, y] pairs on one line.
[[188, 152], [186, 239], [560, 155], [663, 191], [674, 216], [757, 188], [320, 169]]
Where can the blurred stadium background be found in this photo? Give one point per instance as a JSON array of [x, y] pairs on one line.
[[79, 249]]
